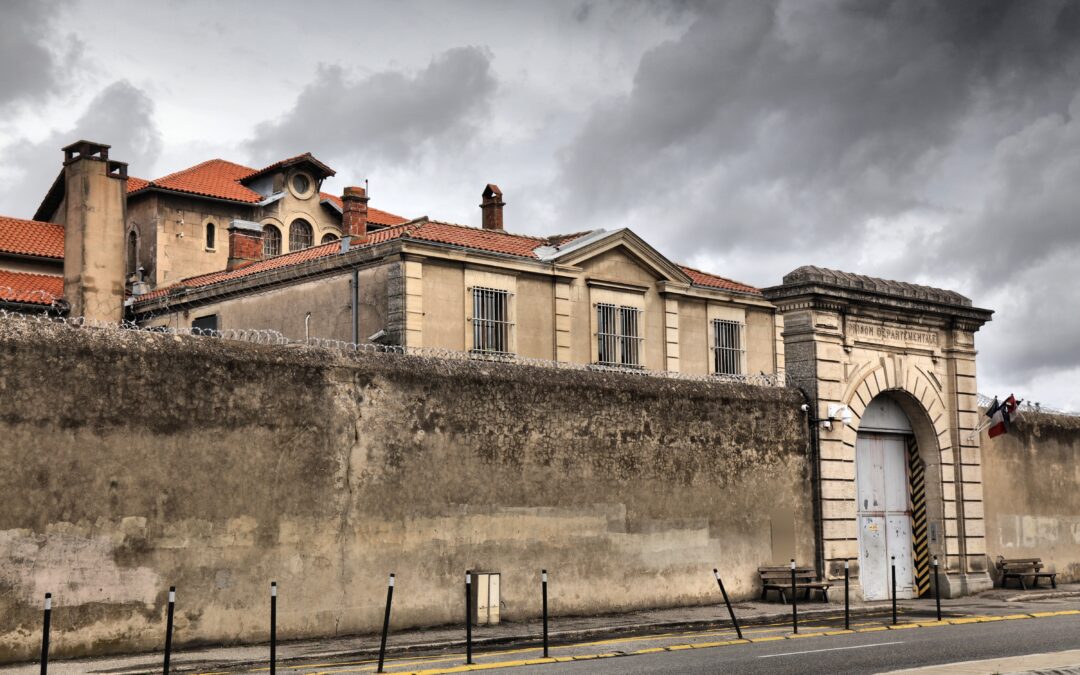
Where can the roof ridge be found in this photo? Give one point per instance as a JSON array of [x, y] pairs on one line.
[[481, 229], [200, 165]]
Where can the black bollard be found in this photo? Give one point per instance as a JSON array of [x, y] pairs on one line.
[[731, 612], [45, 634], [273, 627], [168, 628], [794, 601], [468, 617], [543, 592], [894, 590], [847, 602], [386, 621], [937, 589]]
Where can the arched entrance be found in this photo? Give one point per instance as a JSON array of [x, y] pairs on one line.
[[891, 502]]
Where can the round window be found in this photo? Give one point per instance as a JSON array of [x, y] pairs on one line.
[[301, 183]]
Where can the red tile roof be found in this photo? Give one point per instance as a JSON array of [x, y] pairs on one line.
[[214, 178], [31, 237], [35, 289], [377, 216], [713, 281]]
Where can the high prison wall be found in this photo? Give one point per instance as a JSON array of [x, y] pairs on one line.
[[1031, 479], [133, 461]]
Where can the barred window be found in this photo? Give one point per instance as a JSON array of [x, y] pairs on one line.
[[491, 320], [271, 241], [329, 237], [301, 235], [727, 347], [618, 335]]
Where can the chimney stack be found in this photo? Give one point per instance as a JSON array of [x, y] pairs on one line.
[[95, 197], [492, 207], [245, 243], [354, 214]]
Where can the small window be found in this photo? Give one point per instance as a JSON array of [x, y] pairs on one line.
[[491, 320], [211, 236], [327, 238], [301, 183], [205, 323], [301, 235], [271, 241], [618, 335], [132, 253], [727, 347]]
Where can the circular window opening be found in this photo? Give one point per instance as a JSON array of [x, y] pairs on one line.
[[301, 183]]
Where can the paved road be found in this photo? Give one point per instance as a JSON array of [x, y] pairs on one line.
[[847, 654]]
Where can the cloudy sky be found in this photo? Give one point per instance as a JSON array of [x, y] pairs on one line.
[[935, 142]]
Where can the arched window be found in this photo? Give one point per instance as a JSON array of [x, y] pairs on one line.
[[329, 237], [300, 235], [132, 252], [211, 232], [271, 241]]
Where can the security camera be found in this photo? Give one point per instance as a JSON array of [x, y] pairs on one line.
[[804, 407]]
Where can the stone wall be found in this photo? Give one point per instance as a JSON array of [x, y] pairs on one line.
[[134, 461], [1030, 477]]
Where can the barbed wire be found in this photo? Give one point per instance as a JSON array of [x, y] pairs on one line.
[[1026, 406], [276, 338]]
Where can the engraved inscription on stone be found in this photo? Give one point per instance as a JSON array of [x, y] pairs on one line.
[[889, 335]]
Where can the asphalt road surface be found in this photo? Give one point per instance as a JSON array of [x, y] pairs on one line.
[[847, 654]]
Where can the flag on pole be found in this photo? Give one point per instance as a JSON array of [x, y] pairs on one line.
[[1000, 414]]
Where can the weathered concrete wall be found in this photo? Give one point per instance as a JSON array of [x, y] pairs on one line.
[[1030, 478], [133, 461]]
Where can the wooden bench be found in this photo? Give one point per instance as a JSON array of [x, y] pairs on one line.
[[1024, 568], [779, 579]]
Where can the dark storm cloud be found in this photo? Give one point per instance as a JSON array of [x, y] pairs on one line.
[[389, 115], [30, 70], [121, 115], [773, 130]]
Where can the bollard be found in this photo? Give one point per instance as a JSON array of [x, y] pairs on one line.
[[543, 592], [937, 589], [169, 627], [45, 634], [386, 621], [894, 590], [847, 604], [468, 617], [273, 627], [731, 612], [794, 601]]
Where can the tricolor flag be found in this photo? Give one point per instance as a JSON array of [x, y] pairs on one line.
[[1000, 415]]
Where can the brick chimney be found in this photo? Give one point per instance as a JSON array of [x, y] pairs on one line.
[[354, 214], [492, 207], [245, 243], [95, 212]]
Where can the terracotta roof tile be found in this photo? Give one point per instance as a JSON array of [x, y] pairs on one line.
[[214, 178], [31, 237], [377, 216], [472, 237], [34, 289], [713, 281]]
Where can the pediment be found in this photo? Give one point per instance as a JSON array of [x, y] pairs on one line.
[[629, 245]]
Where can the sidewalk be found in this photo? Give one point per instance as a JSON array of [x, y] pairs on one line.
[[563, 630]]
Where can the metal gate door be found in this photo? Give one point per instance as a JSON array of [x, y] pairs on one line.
[[884, 515]]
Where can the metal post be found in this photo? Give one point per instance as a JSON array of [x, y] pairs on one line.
[[894, 590], [168, 628], [273, 627], [45, 634], [543, 589], [386, 621], [794, 601], [847, 601], [937, 589], [731, 612], [468, 617]]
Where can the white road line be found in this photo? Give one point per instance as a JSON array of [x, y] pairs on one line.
[[833, 649]]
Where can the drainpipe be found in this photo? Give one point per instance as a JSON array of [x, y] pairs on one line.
[[354, 302], [307, 322], [812, 423]]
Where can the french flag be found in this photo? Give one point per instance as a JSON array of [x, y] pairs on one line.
[[1000, 415]]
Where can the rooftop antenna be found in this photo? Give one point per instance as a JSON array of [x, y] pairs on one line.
[[367, 190]]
